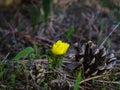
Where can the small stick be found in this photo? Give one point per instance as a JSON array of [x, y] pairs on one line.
[[98, 76], [111, 82], [109, 35], [88, 79]]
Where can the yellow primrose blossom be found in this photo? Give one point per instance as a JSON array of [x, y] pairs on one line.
[[60, 48]]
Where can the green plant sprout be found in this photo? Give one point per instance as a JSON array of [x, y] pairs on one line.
[[58, 50]]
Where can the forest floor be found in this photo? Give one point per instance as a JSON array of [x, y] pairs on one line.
[[73, 21]]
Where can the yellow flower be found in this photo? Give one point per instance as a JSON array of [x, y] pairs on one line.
[[60, 48]]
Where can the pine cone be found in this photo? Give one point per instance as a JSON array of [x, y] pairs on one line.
[[94, 60], [37, 72]]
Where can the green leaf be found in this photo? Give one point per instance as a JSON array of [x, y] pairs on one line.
[[79, 77], [46, 8], [69, 32], [23, 53]]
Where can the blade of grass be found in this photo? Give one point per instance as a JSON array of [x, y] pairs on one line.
[[118, 86], [23, 53], [46, 8], [108, 43], [69, 32], [12, 77], [37, 51], [100, 37], [104, 88], [79, 77]]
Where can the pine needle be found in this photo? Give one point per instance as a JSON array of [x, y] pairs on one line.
[[109, 35]]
